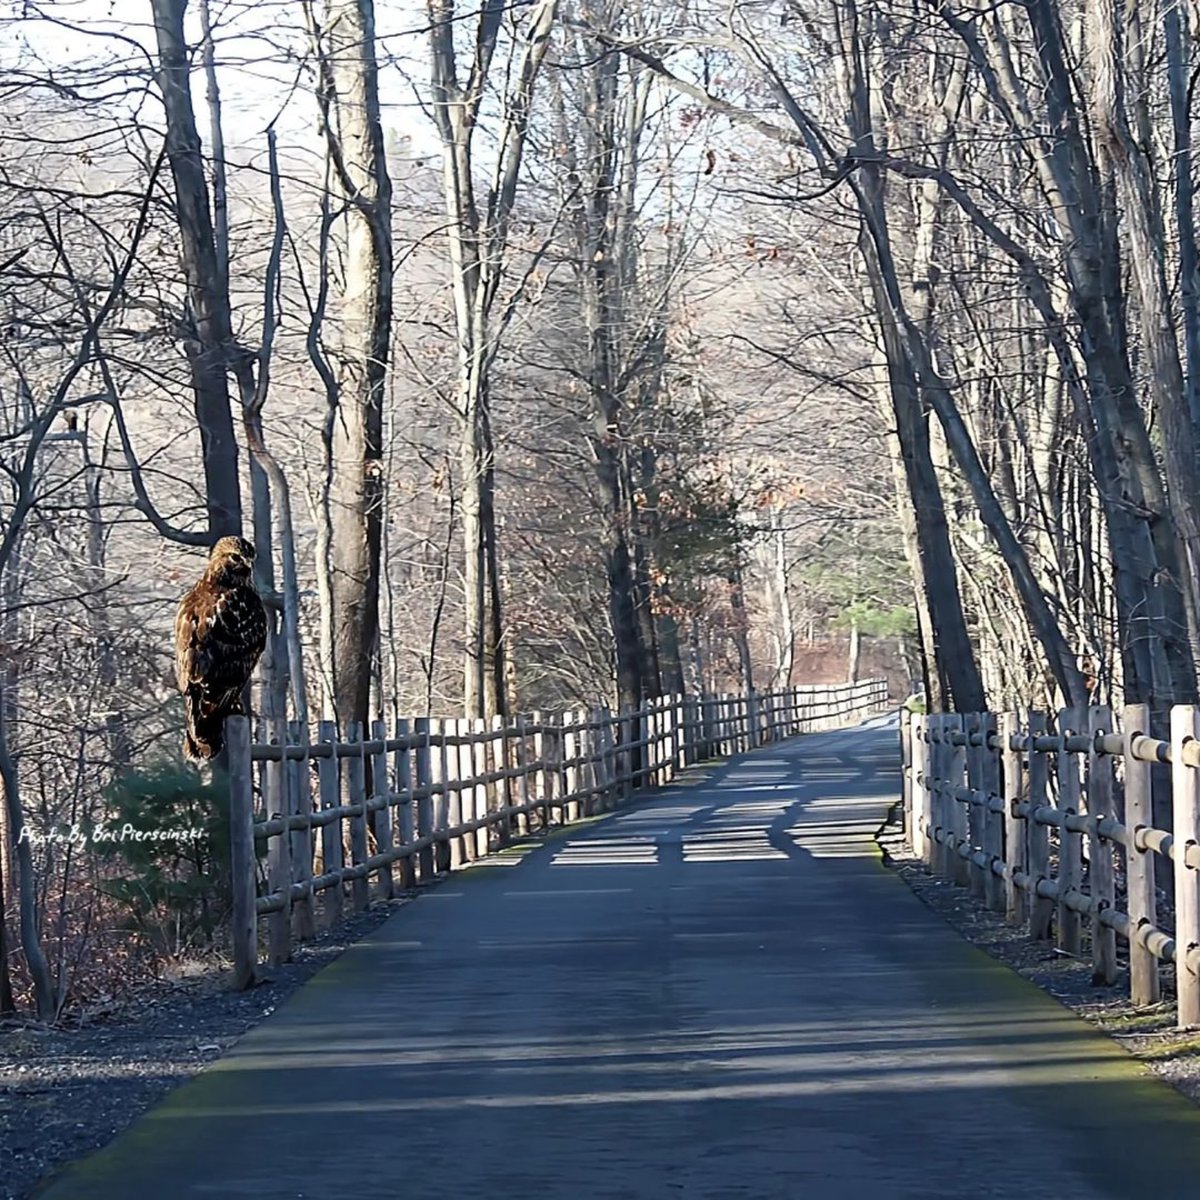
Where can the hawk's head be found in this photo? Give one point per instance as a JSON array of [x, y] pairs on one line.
[[232, 556]]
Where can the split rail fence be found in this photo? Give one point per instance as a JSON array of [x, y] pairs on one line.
[[385, 810], [1051, 822]]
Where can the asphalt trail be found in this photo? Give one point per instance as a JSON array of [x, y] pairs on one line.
[[719, 993]]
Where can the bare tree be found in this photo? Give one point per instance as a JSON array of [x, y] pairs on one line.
[[343, 41], [478, 233]]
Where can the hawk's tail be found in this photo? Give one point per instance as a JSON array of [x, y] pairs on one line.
[[203, 735]]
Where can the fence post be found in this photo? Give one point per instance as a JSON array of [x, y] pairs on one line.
[[464, 757], [360, 888], [425, 803], [521, 764], [907, 783], [461, 804], [956, 765], [993, 822], [1185, 796], [556, 784], [1141, 902], [670, 739], [404, 801], [502, 751], [1070, 845], [279, 857], [242, 862], [299, 792], [976, 813], [541, 779], [1099, 800], [919, 786], [446, 846], [1012, 791], [332, 853], [481, 793], [625, 755], [568, 772], [935, 725], [381, 818], [584, 748], [616, 792], [1037, 835], [661, 742]]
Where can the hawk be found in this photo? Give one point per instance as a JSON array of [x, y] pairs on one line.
[[220, 630]]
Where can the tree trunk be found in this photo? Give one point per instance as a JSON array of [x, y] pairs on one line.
[[207, 336], [356, 147], [854, 652]]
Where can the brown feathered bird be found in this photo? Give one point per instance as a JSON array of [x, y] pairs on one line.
[[220, 630]]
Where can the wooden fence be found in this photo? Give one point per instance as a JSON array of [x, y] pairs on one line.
[[385, 810], [1051, 822]]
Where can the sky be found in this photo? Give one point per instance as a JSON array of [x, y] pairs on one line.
[[255, 39]]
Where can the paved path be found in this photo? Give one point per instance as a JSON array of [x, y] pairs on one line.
[[717, 994]]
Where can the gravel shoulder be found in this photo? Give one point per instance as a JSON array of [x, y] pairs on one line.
[[1147, 1033], [67, 1091]]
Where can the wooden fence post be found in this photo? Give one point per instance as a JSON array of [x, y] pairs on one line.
[[956, 766], [381, 817], [404, 801], [360, 887], [1037, 835], [649, 734], [976, 813], [447, 847], [662, 757], [243, 863], [1012, 792], [541, 778], [1185, 796], [1141, 901], [463, 759], [1070, 845], [555, 777], [626, 731], [1099, 799], [933, 752], [613, 748], [279, 857], [670, 739], [329, 791], [919, 787], [424, 762], [935, 726], [502, 753], [523, 792], [583, 748], [993, 822], [600, 780], [462, 803], [571, 765], [299, 791], [483, 803]]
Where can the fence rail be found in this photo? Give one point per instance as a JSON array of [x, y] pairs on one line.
[[387, 809], [1051, 822]]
